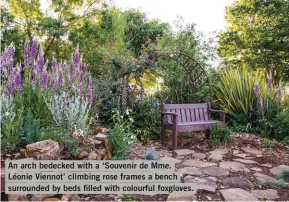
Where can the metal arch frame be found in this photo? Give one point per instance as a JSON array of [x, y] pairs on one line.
[[187, 59]]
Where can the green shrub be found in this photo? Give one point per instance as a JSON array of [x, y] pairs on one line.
[[11, 122], [267, 119], [281, 124], [147, 120], [121, 135], [268, 143], [235, 90], [31, 131], [286, 140], [220, 135]]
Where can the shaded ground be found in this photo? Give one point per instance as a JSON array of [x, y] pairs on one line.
[[199, 144]]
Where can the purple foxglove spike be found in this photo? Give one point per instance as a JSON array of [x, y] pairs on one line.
[[53, 66], [44, 76], [11, 51], [17, 81], [270, 83], [60, 78], [79, 88], [279, 92], [256, 89], [85, 69], [26, 54], [34, 50], [260, 102], [55, 86], [89, 94], [34, 76], [40, 62], [76, 58]]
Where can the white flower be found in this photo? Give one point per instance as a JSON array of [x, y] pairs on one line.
[[127, 112]]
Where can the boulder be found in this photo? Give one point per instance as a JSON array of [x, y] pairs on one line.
[[17, 197], [44, 150]]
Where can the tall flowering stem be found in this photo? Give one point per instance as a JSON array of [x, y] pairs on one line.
[[279, 92]]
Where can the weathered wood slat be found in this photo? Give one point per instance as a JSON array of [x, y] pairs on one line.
[[206, 115], [188, 114], [197, 114], [185, 106], [201, 113], [193, 114], [184, 117], [178, 111]]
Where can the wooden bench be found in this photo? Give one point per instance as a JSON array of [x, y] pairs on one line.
[[187, 118]]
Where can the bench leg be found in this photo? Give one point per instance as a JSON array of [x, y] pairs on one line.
[[163, 134], [208, 134], [174, 137]]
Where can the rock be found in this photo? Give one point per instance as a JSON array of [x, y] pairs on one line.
[[241, 155], [235, 166], [235, 152], [267, 165], [216, 156], [175, 161], [198, 155], [265, 194], [213, 178], [256, 169], [44, 150], [216, 172], [237, 194], [40, 197], [92, 156], [237, 182], [251, 150], [182, 152], [163, 153], [263, 179], [279, 169], [81, 155], [219, 151], [64, 198], [188, 178], [17, 197], [101, 136], [74, 197], [190, 171], [197, 163], [205, 184], [181, 197], [246, 161], [52, 199]]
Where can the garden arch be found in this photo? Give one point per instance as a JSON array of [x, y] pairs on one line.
[[195, 74]]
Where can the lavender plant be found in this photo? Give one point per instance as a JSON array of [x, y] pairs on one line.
[[33, 86], [70, 110]]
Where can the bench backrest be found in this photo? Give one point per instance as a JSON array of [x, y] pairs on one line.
[[188, 112]]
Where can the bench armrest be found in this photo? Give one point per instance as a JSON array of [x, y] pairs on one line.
[[219, 111], [169, 113], [222, 114]]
